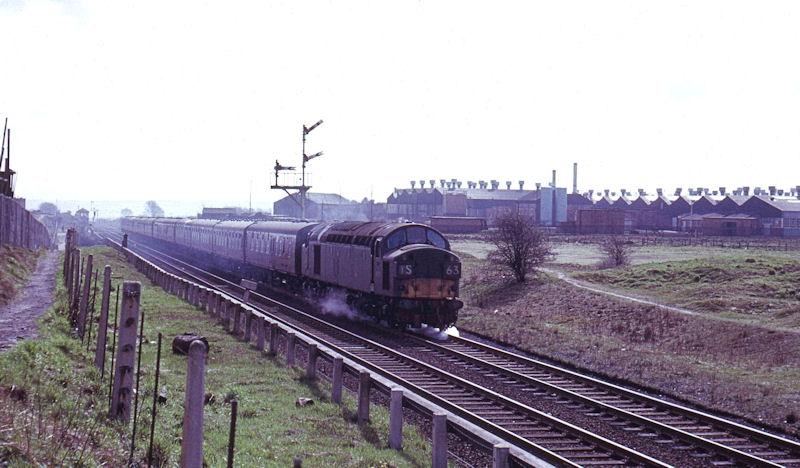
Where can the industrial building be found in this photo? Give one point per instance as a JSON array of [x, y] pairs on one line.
[[547, 206], [767, 213], [330, 207]]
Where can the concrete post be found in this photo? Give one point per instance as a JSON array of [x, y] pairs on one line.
[[246, 296], [126, 352], [291, 346], [396, 420], [261, 333], [364, 383], [500, 456], [237, 320], [224, 312], [192, 440], [84, 301], [336, 384], [212, 303], [248, 325], [102, 327], [273, 338], [439, 440], [311, 365]]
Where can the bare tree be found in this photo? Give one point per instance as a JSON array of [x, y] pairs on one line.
[[126, 212], [151, 208], [521, 246], [616, 251], [48, 208]]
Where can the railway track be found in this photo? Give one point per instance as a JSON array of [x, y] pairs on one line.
[[721, 441], [545, 436], [714, 440]]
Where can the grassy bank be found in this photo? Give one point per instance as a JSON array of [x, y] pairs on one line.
[[754, 288], [271, 430], [734, 367], [16, 265]]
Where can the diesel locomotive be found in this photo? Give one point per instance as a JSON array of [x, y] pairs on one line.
[[403, 273]]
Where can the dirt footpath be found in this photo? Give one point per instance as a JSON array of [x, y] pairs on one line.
[[18, 318]]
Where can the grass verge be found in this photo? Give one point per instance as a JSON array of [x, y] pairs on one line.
[[16, 265], [271, 430]]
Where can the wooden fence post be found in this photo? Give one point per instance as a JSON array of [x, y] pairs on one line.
[[126, 352], [84, 300], [102, 327]]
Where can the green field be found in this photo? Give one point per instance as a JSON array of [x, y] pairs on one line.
[[58, 382]]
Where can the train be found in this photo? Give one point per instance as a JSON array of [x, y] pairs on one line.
[[403, 273]]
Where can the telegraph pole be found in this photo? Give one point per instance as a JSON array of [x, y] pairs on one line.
[[302, 189]]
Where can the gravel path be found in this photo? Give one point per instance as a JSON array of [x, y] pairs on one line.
[[580, 284], [18, 318]]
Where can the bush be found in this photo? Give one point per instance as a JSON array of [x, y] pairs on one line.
[[520, 246], [616, 252]]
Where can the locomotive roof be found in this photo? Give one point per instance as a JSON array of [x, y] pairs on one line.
[[363, 233]]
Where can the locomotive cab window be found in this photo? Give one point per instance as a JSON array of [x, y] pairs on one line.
[[415, 235]]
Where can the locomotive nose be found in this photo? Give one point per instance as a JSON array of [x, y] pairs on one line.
[[428, 273]]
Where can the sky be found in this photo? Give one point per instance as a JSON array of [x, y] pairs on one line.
[[194, 101]]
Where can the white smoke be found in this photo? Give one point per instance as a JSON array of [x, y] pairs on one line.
[[434, 333], [334, 303]]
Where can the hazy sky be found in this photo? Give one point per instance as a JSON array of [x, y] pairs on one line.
[[194, 100]]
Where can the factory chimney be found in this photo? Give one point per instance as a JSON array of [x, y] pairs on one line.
[[746, 191], [413, 184], [641, 192], [433, 183], [495, 184], [772, 190], [441, 183], [422, 183], [521, 184], [538, 185], [508, 185], [458, 184], [660, 192], [574, 177], [482, 183], [606, 192], [797, 191], [554, 179], [722, 191]]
